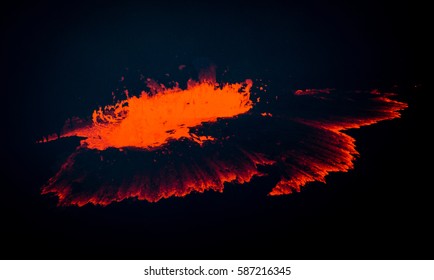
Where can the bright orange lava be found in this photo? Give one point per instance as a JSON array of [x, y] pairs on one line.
[[149, 121], [304, 147]]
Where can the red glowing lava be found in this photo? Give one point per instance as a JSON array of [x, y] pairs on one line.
[[150, 121], [173, 141], [148, 175], [333, 150]]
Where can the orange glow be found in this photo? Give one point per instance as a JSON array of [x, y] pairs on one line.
[[339, 147], [306, 150], [210, 174], [151, 121]]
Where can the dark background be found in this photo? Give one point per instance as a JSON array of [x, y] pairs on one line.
[[64, 59]]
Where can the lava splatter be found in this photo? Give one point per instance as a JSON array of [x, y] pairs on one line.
[[172, 141], [150, 121]]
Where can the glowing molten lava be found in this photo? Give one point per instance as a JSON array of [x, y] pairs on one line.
[[157, 145], [150, 121], [327, 148]]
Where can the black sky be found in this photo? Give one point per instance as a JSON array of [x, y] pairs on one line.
[[63, 59]]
